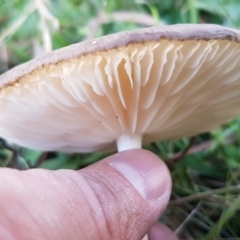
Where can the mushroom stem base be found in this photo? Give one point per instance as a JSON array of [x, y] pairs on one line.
[[127, 142]]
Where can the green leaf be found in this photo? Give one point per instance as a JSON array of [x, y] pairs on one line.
[[55, 163], [22, 164], [31, 156]]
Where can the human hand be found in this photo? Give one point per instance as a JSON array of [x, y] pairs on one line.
[[120, 197]]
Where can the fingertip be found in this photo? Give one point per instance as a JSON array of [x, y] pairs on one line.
[[160, 231], [146, 172]]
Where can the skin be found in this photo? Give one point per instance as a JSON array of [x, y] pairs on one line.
[[98, 202]]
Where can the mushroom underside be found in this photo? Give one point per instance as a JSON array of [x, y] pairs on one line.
[[158, 90]]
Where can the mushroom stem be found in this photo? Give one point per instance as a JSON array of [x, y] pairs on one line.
[[126, 142]]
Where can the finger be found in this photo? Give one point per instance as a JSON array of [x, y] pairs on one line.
[[119, 197], [161, 232]]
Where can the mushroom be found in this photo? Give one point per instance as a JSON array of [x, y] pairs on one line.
[[121, 90]]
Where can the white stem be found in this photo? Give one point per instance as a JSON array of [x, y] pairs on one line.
[[126, 142], [145, 237]]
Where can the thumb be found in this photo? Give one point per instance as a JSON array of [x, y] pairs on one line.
[[133, 189], [120, 197]]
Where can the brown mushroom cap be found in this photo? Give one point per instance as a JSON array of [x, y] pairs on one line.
[[156, 83]]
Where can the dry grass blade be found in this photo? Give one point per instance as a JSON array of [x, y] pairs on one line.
[[37, 48], [94, 25], [46, 14], [121, 16], [226, 215], [17, 24], [45, 17], [205, 194], [189, 217], [138, 18], [125, 16], [3, 58]]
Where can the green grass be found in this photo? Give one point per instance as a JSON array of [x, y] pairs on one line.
[[214, 159]]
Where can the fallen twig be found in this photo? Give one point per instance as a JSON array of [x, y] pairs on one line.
[[199, 148], [176, 158], [42, 159]]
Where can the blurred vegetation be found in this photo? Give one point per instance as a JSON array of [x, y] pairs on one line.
[[205, 200]]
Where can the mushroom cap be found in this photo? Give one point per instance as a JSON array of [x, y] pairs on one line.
[[160, 83]]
